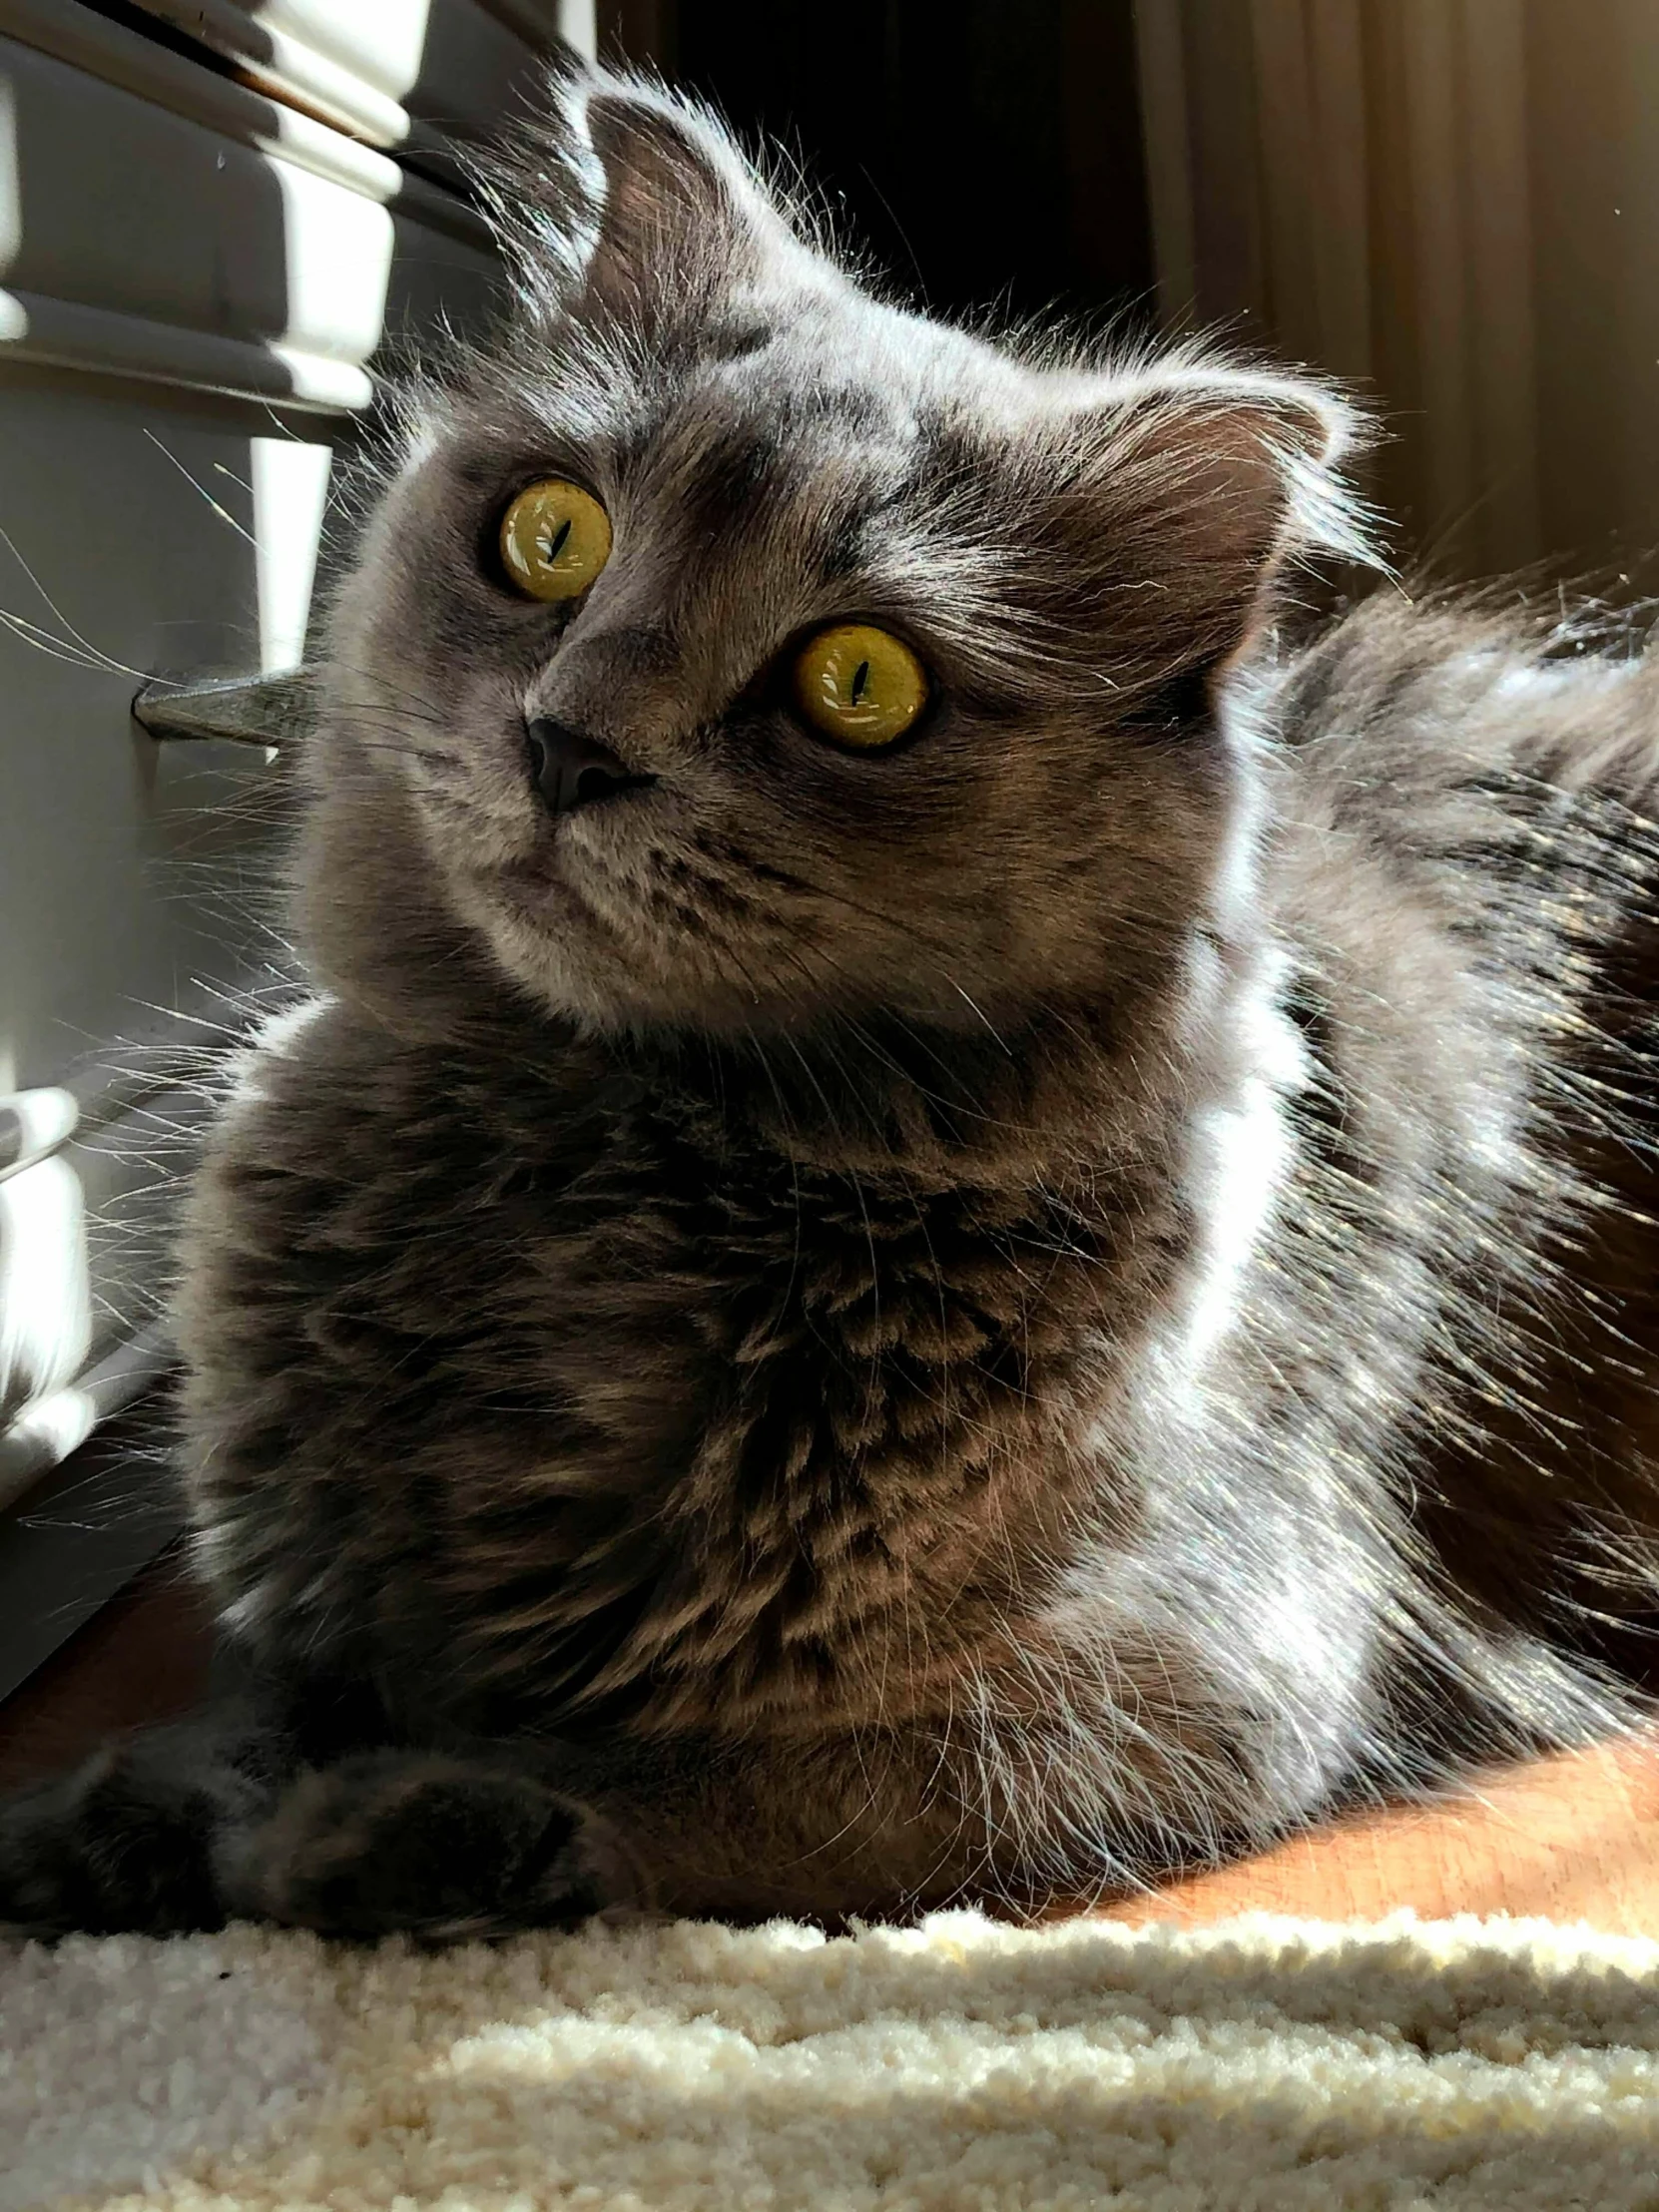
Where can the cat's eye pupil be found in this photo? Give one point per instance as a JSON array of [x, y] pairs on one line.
[[859, 684], [554, 538]]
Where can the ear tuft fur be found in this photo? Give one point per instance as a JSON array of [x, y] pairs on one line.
[[625, 205], [1215, 481], [1298, 432]]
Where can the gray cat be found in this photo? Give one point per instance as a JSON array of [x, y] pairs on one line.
[[946, 1221]]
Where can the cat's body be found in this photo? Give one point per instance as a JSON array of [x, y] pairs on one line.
[[837, 1331]]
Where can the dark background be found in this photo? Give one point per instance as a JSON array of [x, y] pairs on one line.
[[987, 153]]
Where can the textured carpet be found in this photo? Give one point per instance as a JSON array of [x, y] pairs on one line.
[[1266, 2064]]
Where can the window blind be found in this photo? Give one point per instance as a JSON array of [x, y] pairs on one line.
[[216, 224]]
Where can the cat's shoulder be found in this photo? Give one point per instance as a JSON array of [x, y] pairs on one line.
[[321, 1082]]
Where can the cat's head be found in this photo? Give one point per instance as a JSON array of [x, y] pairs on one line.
[[690, 778]]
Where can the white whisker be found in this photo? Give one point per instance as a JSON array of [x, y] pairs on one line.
[[102, 659], [222, 513]]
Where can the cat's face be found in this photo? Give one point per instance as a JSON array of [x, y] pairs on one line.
[[1067, 559]]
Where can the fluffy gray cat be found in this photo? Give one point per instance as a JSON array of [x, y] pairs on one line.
[[945, 1222]]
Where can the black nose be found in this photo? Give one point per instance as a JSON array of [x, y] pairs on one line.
[[570, 770]]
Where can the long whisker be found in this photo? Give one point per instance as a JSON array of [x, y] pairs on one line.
[[222, 513], [96, 656], [29, 634]]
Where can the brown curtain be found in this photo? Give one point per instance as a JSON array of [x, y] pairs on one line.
[[1454, 203]]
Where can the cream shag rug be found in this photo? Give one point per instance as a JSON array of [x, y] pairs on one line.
[[1269, 2065]]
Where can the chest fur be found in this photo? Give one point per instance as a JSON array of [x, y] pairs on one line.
[[582, 1409]]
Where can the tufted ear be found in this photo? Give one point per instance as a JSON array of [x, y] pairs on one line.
[[1184, 492], [631, 208]]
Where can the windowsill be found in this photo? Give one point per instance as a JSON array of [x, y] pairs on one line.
[[80, 1536]]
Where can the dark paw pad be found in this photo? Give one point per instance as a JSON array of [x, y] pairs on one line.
[[117, 1846], [443, 1848]]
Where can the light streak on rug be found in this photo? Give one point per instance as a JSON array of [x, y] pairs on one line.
[[1263, 2066]]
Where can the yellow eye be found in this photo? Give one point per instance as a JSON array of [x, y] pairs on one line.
[[555, 538], [860, 684]]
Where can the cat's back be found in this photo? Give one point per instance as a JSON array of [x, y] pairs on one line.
[[1463, 847], [1422, 726], [1466, 858]]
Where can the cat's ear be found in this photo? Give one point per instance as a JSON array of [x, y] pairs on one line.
[[1191, 489], [631, 208]]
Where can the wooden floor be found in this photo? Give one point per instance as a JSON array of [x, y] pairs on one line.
[[1566, 1838], [144, 1657], [1575, 1838]]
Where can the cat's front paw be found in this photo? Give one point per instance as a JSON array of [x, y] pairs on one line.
[[126, 1842], [445, 1848]]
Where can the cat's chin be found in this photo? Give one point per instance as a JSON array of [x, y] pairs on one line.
[[553, 947], [565, 933], [549, 945], [584, 967]]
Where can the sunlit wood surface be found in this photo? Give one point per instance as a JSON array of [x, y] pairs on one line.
[[1572, 1838]]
